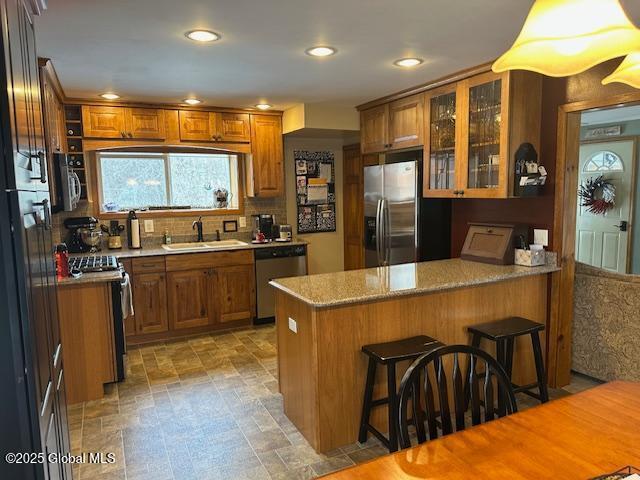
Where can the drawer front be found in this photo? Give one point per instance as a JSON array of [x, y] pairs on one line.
[[148, 265], [208, 260]]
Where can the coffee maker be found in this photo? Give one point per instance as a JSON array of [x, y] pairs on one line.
[[264, 223], [84, 234]]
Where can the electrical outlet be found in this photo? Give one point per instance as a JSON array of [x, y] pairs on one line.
[[293, 325], [242, 222], [541, 237], [148, 226]]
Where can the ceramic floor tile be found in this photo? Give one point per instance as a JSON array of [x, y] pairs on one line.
[[208, 408]]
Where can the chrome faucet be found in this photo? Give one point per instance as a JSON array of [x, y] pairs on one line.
[[198, 224]]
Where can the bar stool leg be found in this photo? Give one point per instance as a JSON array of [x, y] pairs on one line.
[[366, 404], [508, 364], [393, 407], [475, 342], [537, 354], [501, 357]]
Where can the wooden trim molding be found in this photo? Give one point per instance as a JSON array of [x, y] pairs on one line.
[[93, 195], [564, 232], [170, 106], [54, 81], [439, 82]]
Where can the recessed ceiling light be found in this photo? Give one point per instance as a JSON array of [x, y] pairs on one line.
[[263, 106], [203, 35], [408, 62], [320, 51], [192, 101], [110, 96]]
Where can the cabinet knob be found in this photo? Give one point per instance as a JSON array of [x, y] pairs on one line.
[[130, 135], [122, 134]]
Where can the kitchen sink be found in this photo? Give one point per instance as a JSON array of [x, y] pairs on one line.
[[204, 245]]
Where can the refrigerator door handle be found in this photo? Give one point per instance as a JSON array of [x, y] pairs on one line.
[[379, 237], [387, 229]]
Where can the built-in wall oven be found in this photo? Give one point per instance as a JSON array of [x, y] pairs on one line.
[[69, 187]]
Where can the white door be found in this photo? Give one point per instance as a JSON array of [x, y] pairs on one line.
[[602, 240]]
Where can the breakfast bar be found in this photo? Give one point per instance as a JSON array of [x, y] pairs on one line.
[[324, 320]]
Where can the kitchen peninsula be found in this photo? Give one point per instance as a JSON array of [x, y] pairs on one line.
[[324, 320]]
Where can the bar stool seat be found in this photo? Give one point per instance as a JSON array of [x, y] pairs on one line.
[[504, 332], [388, 354]]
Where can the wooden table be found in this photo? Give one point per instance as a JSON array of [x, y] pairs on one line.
[[580, 436]]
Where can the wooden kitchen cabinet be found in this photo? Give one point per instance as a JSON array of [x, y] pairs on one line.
[[145, 123], [473, 137], [374, 133], [191, 300], [180, 295], [353, 193], [54, 122], [196, 126], [123, 122], [470, 129], [53, 109], [393, 126], [265, 175], [236, 287], [103, 122], [150, 302], [233, 127], [441, 169], [214, 126], [406, 122]]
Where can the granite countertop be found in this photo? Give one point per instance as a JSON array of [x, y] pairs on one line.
[[156, 250], [153, 251], [89, 278], [359, 286]]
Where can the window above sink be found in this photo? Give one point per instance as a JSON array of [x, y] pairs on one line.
[[170, 183]]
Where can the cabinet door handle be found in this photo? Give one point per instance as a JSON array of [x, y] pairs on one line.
[[130, 135], [43, 167], [122, 134], [47, 213]]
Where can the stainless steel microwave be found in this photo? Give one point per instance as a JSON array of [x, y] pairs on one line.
[[69, 188]]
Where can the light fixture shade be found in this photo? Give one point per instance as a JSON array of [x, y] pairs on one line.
[[627, 72], [565, 37]]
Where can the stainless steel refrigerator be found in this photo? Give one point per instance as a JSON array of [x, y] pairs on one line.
[[401, 226]]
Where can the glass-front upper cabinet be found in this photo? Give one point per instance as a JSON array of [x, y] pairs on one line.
[[486, 143], [440, 145]]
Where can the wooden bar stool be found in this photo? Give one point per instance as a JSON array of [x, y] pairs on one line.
[[389, 354], [504, 333]]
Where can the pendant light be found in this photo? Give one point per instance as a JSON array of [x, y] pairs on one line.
[[565, 37], [627, 72]]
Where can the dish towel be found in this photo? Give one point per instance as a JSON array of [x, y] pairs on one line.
[[126, 296]]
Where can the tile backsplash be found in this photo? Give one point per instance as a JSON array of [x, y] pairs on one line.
[[180, 228]]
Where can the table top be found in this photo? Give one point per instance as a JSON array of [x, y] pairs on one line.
[[580, 436], [381, 283]]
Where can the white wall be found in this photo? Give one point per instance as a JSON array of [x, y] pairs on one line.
[[326, 249]]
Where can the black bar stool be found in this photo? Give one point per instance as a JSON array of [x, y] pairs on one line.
[[389, 354], [504, 333]]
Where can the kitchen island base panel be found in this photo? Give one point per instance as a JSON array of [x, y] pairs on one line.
[[322, 370], [86, 331]]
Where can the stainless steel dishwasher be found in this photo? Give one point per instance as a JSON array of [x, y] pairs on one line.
[[276, 262]]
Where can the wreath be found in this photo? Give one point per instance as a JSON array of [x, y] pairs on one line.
[[598, 195]]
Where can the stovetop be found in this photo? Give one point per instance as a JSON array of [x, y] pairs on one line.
[[93, 263]]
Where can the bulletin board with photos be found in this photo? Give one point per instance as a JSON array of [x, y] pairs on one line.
[[316, 192]]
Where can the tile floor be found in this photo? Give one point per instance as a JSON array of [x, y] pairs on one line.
[[207, 408]]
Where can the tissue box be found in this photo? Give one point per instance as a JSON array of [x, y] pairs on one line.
[[530, 258]]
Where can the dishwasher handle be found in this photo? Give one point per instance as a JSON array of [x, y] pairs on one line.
[[266, 253]]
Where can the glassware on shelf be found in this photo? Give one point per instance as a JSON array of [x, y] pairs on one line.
[[442, 124], [484, 135]]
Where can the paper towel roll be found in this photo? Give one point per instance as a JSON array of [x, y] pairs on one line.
[[135, 233]]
